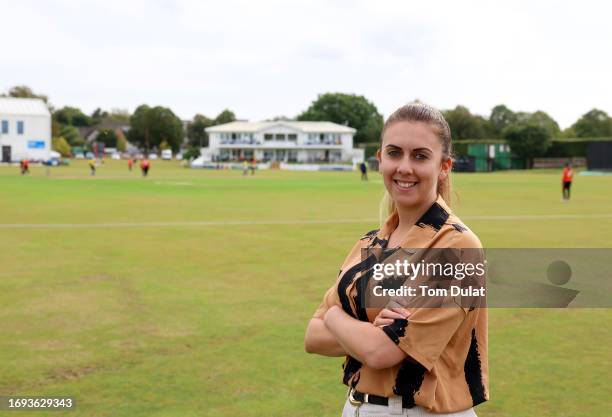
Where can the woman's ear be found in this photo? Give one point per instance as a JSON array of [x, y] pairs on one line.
[[445, 169]]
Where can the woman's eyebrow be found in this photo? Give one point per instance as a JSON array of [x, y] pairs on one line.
[[390, 145]]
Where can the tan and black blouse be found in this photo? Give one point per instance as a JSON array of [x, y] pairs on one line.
[[448, 369]]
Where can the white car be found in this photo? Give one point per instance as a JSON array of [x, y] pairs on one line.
[[152, 156], [115, 156], [166, 154]]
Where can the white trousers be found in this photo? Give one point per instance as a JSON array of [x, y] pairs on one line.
[[395, 409]]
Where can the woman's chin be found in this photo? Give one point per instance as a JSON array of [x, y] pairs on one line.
[[407, 202]]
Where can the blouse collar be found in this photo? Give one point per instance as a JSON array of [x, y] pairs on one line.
[[427, 226]]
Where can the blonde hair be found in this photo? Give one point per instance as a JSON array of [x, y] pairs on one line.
[[420, 112]]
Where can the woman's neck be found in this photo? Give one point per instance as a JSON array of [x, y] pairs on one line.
[[407, 217]]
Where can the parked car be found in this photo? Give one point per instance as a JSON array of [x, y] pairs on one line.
[[152, 156], [55, 159], [166, 154], [115, 156]]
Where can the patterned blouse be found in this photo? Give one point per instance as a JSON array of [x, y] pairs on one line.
[[446, 367]]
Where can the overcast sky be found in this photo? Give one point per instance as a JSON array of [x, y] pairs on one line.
[[263, 58]]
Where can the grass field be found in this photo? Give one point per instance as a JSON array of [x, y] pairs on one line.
[[187, 293]]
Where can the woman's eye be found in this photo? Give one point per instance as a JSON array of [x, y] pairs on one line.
[[420, 156], [393, 153]]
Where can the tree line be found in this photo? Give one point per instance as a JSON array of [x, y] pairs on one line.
[[529, 134]]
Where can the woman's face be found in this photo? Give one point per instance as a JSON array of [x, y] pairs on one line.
[[410, 161]]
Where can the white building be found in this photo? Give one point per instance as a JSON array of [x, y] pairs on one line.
[[284, 141], [25, 129]]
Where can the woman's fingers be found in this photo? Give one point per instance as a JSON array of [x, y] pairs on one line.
[[402, 311], [387, 316], [379, 322], [390, 314]]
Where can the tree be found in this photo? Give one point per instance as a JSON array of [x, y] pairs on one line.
[[119, 115], [280, 119], [594, 124], [371, 131], [542, 119], [191, 153], [23, 91], [485, 126], [108, 137], [196, 131], [98, 115], [72, 116], [347, 109], [568, 132], [71, 134], [464, 125], [226, 116], [527, 140], [150, 126], [116, 115], [501, 117], [55, 128], [141, 126], [121, 141], [61, 145]]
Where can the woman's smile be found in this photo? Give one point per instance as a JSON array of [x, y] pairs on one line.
[[405, 185]]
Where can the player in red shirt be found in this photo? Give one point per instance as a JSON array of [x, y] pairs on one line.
[[144, 167], [568, 175], [25, 166]]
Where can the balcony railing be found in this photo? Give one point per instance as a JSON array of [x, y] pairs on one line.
[[309, 142], [242, 141]]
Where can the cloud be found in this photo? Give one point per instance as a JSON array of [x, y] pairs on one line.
[[268, 57]]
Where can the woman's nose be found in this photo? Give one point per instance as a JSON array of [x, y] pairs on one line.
[[405, 167]]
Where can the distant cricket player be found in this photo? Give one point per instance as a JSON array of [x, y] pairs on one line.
[[130, 164], [144, 166], [364, 171], [568, 175], [25, 166], [92, 166]]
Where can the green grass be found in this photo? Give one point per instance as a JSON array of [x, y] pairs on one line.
[[208, 320]]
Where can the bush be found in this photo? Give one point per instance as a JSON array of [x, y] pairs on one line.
[[61, 145], [191, 153]]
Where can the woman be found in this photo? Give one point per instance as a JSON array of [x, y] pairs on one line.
[[407, 361]]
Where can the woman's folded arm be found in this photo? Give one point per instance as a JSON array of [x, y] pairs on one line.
[[320, 340], [362, 340]]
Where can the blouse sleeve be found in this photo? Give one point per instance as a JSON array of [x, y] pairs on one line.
[[426, 333]]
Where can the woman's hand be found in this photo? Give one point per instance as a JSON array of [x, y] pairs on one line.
[[386, 316]]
